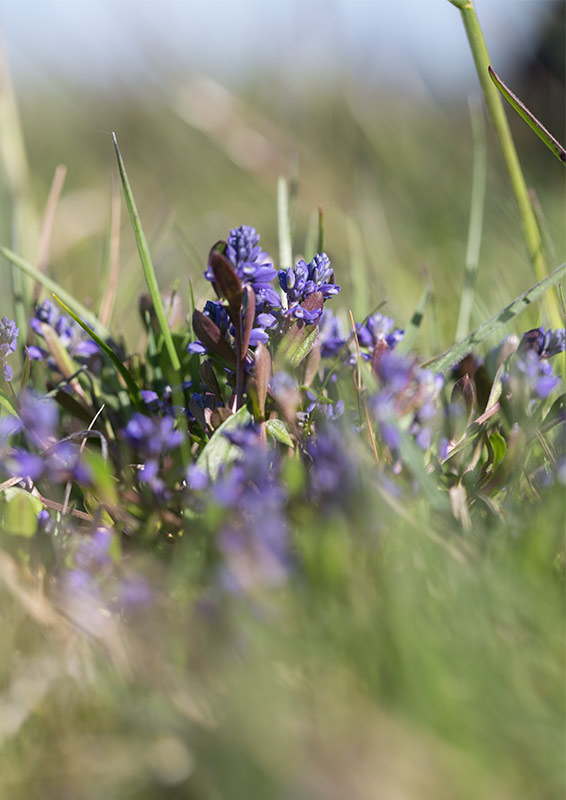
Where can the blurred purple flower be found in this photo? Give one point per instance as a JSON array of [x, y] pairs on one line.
[[8, 342], [378, 328], [72, 337]]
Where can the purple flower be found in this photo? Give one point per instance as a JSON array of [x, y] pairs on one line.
[[8, 341], [252, 265], [302, 280], [330, 336], [151, 436], [39, 416], [544, 344], [71, 335], [379, 328], [333, 475], [254, 541], [407, 400]]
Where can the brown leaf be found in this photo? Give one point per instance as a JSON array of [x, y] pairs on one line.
[[211, 337]]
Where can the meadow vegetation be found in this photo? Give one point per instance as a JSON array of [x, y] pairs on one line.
[[282, 449]]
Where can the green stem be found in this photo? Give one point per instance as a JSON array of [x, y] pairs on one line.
[[529, 224]]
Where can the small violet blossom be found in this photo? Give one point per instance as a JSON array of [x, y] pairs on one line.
[[152, 438], [8, 341]]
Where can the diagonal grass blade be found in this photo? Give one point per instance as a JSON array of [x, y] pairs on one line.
[[146, 261]]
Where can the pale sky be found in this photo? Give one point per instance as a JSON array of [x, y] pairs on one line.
[[99, 41]]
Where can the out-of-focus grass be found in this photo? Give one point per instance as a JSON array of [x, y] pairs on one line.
[[404, 667], [202, 160]]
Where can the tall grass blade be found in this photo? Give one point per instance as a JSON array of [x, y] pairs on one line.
[[53, 287], [553, 145], [132, 386], [47, 224], [444, 361], [479, 180], [112, 265], [147, 264]]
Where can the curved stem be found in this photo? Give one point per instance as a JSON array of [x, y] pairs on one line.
[[531, 231]]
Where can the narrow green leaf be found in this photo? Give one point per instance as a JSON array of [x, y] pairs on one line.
[[553, 145], [416, 320], [219, 450], [477, 202], [444, 361], [133, 389], [146, 261], [55, 288]]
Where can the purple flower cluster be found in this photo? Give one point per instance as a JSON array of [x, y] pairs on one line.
[[254, 540], [152, 438], [58, 461], [71, 335], [302, 281], [530, 371], [252, 265], [406, 401], [8, 341], [376, 329]]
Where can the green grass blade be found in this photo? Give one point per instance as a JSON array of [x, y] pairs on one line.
[[479, 180], [133, 389], [416, 320], [444, 361], [145, 257], [53, 287], [553, 145]]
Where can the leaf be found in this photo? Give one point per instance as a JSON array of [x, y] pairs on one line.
[[443, 362], [262, 363], [219, 450], [498, 448], [300, 338], [55, 288], [8, 403], [18, 512], [553, 145], [133, 389], [249, 319], [146, 262], [227, 280], [413, 327], [211, 337], [279, 431]]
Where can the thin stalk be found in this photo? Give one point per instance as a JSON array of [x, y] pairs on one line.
[[47, 225], [531, 231], [476, 218]]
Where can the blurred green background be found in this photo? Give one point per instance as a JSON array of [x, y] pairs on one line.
[[383, 146]]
